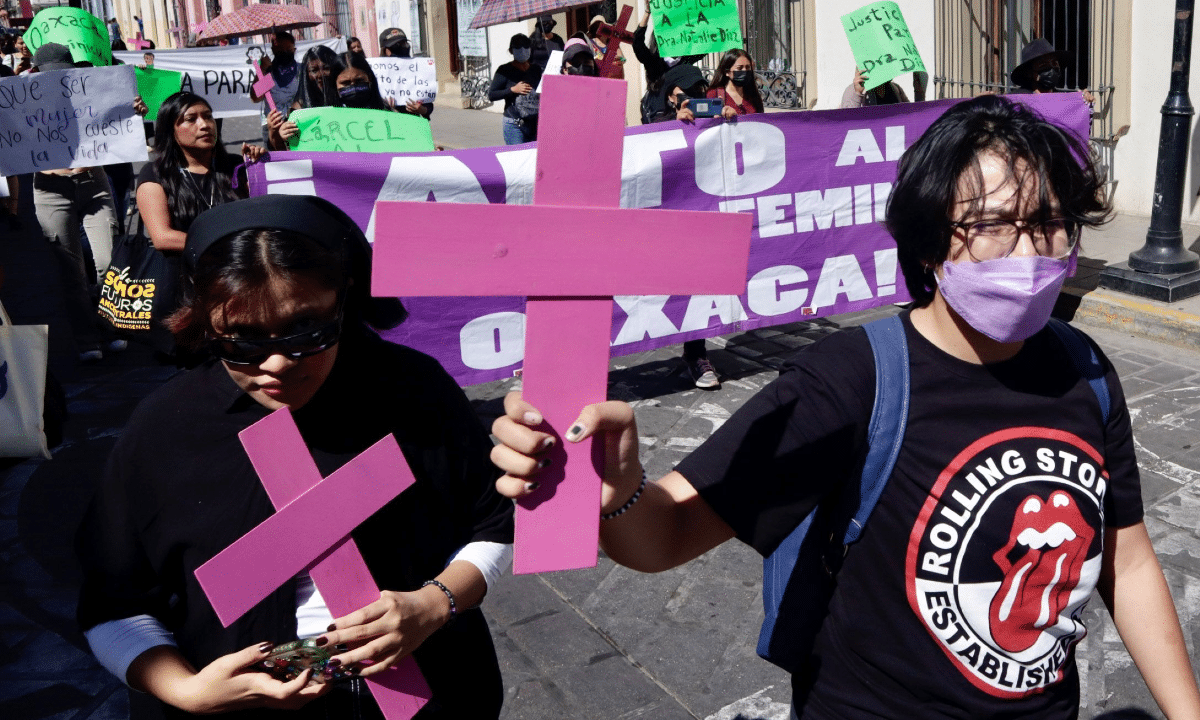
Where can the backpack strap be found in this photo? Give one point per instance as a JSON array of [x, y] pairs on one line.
[[889, 417], [1084, 358]]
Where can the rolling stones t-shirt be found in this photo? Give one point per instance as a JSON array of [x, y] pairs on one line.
[[964, 595]]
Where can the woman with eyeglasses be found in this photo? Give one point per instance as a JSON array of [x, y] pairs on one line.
[[1015, 490], [277, 291]]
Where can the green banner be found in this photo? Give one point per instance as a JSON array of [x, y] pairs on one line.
[[332, 129], [156, 85], [79, 30], [693, 27], [883, 47]]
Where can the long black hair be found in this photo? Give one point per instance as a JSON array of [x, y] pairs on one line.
[[185, 197], [348, 60], [721, 77], [942, 169], [313, 93]]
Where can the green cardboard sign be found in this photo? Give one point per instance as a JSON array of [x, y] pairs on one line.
[[155, 86], [334, 129], [883, 47], [693, 27], [79, 30]]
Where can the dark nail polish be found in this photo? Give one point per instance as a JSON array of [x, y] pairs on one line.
[[321, 641], [354, 669], [543, 463], [531, 486], [331, 628], [575, 430], [334, 662], [265, 647]]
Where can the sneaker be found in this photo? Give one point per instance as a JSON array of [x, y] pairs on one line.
[[702, 373], [118, 345], [91, 356]]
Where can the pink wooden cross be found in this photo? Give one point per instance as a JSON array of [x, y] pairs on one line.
[[569, 253], [250, 569], [619, 35], [262, 86], [138, 42]]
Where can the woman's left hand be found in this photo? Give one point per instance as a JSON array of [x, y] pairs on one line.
[[415, 107], [139, 106], [728, 113], [389, 628], [252, 153]]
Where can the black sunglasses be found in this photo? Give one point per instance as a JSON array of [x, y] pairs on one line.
[[236, 351]]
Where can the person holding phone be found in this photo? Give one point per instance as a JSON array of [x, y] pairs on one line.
[[735, 84], [1015, 491], [277, 294]]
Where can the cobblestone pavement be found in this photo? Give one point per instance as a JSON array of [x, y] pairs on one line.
[[600, 643]]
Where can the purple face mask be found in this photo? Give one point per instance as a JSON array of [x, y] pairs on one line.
[[1007, 299]]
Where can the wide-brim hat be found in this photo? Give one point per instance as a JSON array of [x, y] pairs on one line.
[[53, 56], [597, 19], [1033, 52]]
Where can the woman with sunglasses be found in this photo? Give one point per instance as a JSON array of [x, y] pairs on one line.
[[1015, 490], [277, 289]]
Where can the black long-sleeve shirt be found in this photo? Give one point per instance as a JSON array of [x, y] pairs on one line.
[[508, 75]]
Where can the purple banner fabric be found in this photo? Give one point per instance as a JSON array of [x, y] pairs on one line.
[[817, 184]]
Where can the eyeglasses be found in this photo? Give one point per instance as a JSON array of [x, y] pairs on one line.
[[994, 238], [237, 351]]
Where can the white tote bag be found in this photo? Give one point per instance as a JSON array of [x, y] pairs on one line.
[[24, 352]]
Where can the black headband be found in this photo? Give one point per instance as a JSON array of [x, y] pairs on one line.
[[310, 216]]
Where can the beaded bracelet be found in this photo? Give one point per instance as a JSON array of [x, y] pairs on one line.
[[628, 503], [450, 595]]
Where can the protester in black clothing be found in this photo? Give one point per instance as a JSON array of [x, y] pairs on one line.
[[578, 58], [1041, 70], [655, 66], [394, 43], [317, 87], [514, 80], [964, 595], [348, 81], [354, 45], [277, 289], [544, 41]]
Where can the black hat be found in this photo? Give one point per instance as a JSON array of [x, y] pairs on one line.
[[392, 36], [52, 56], [683, 75], [1030, 54], [546, 22]]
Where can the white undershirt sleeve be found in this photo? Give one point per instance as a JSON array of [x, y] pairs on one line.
[[492, 558], [117, 643]]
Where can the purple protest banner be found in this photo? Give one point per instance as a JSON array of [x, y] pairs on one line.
[[816, 183]]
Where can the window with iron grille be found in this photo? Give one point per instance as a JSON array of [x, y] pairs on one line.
[[776, 34], [979, 42]]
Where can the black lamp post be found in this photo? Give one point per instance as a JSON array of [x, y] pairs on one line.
[[1162, 269]]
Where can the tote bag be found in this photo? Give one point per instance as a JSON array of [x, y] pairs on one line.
[[24, 352], [140, 289]]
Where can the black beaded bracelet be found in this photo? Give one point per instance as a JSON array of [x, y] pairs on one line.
[[628, 503], [450, 595]]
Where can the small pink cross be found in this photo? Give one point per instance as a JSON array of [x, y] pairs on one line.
[[250, 569], [262, 86], [569, 253], [619, 35], [138, 43]]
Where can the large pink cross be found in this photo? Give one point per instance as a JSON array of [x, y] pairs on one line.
[[569, 253], [250, 569], [619, 35], [262, 86]]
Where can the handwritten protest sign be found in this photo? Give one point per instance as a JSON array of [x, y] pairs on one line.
[[693, 27], [79, 30], [471, 43], [156, 85], [69, 118], [881, 43], [332, 129], [405, 79]]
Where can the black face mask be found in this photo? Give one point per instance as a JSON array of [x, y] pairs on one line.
[[1049, 78], [355, 96], [741, 78], [585, 69]]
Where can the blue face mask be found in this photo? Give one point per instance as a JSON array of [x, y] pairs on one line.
[[355, 95], [521, 54]]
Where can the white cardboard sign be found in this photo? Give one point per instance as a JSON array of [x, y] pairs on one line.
[[406, 78], [69, 118]]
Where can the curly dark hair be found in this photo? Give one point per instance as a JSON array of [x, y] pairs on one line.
[[943, 164]]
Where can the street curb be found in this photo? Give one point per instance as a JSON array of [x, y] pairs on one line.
[[1143, 318]]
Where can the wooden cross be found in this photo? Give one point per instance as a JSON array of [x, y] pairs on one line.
[[262, 86], [138, 42], [250, 569], [619, 34], [569, 253]]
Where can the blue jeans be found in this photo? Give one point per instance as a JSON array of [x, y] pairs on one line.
[[516, 132]]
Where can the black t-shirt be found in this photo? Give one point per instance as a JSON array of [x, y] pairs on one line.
[[508, 75], [212, 187], [179, 488], [964, 595]]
